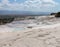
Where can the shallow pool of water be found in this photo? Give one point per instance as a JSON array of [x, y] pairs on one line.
[[18, 29]]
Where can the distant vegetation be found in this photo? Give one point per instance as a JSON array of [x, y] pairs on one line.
[[5, 20], [57, 14], [9, 18], [52, 13]]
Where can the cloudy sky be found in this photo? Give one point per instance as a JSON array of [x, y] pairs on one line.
[[31, 5]]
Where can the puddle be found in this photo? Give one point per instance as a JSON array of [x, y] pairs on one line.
[[18, 29]]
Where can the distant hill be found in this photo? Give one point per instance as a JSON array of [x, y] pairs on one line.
[[6, 12]]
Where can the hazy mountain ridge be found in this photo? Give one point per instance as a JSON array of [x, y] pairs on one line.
[[6, 12]]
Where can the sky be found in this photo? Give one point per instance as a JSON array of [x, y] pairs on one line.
[[30, 5]]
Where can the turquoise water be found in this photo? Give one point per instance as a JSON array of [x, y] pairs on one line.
[[18, 29]]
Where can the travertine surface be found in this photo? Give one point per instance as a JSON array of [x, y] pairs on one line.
[[45, 33], [42, 37]]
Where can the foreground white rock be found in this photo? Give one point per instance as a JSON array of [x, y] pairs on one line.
[[36, 37], [45, 33]]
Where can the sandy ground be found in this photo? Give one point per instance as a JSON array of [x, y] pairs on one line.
[[36, 37]]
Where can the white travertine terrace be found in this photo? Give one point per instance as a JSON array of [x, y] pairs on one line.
[[38, 36]]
